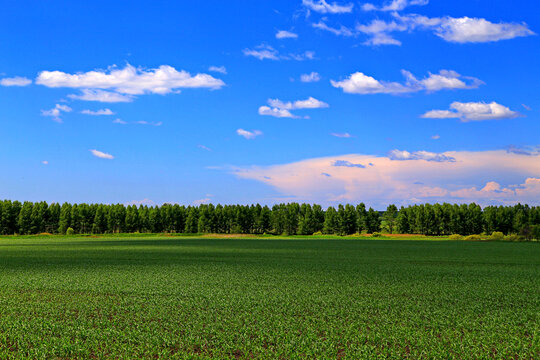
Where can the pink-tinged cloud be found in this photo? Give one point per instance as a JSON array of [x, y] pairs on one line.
[[485, 177]]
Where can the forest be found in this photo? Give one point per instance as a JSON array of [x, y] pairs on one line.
[[288, 219]]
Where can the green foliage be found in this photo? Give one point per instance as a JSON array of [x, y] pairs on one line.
[[292, 218], [376, 234], [473, 238], [497, 236], [455, 237], [70, 231], [182, 298]]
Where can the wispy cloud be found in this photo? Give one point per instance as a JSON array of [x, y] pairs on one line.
[[435, 137], [249, 134], [98, 112], [267, 52], [341, 31], [342, 135], [45, 162], [55, 112], [458, 30], [284, 34], [346, 163], [394, 5], [145, 201], [120, 85], [323, 7], [280, 109], [473, 111], [311, 77], [218, 69], [15, 81], [360, 83], [101, 155], [119, 121], [143, 122], [402, 155], [204, 147]]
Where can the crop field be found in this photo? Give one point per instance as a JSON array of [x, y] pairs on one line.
[[193, 298]]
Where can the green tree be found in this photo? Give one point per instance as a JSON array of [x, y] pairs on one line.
[[390, 216]]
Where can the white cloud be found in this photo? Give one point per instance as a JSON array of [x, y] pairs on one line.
[[218, 69], [436, 137], [45, 162], [394, 5], [311, 77], [119, 121], [275, 112], [528, 150], [341, 31], [56, 112], [202, 201], [262, 52], [388, 181], [143, 122], [129, 81], [204, 147], [249, 134], [473, 111], [282, 109], [342, 135], [284, 34], [459, 30], [101, 96], [98, 112], [321, 6], [402, 155], [359, 83], [15, 81], [465, 29], [144, 201], [101, 155], [266, 52]]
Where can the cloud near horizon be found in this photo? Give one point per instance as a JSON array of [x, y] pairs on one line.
[[456, 176], [323, 7]]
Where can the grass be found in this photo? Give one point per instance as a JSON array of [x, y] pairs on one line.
[[166, 297]]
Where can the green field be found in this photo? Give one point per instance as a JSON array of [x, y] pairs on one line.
[[195, 298]]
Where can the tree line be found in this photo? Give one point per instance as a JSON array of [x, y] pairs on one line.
[[291, 219]]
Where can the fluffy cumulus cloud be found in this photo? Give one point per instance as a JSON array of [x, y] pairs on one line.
[[249, 134], [311, 77], [473, 111], [278, 108], [458, 30], [15, 81], [487, 177], [120, 85], [55, 112], [101, 154], [394, 5], [284, 34], [99, 112], [267, 52], [323, 7], [360, 83]]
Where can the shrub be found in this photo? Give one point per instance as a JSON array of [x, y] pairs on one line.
[[455, 237], [513, 237], [70, 231], [317, 233], [376, 234], [473, 238], [496, 235]]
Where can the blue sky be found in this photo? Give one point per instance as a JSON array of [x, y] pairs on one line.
[[246, 102]]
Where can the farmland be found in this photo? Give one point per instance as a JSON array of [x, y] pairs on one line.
[[168, 297]]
